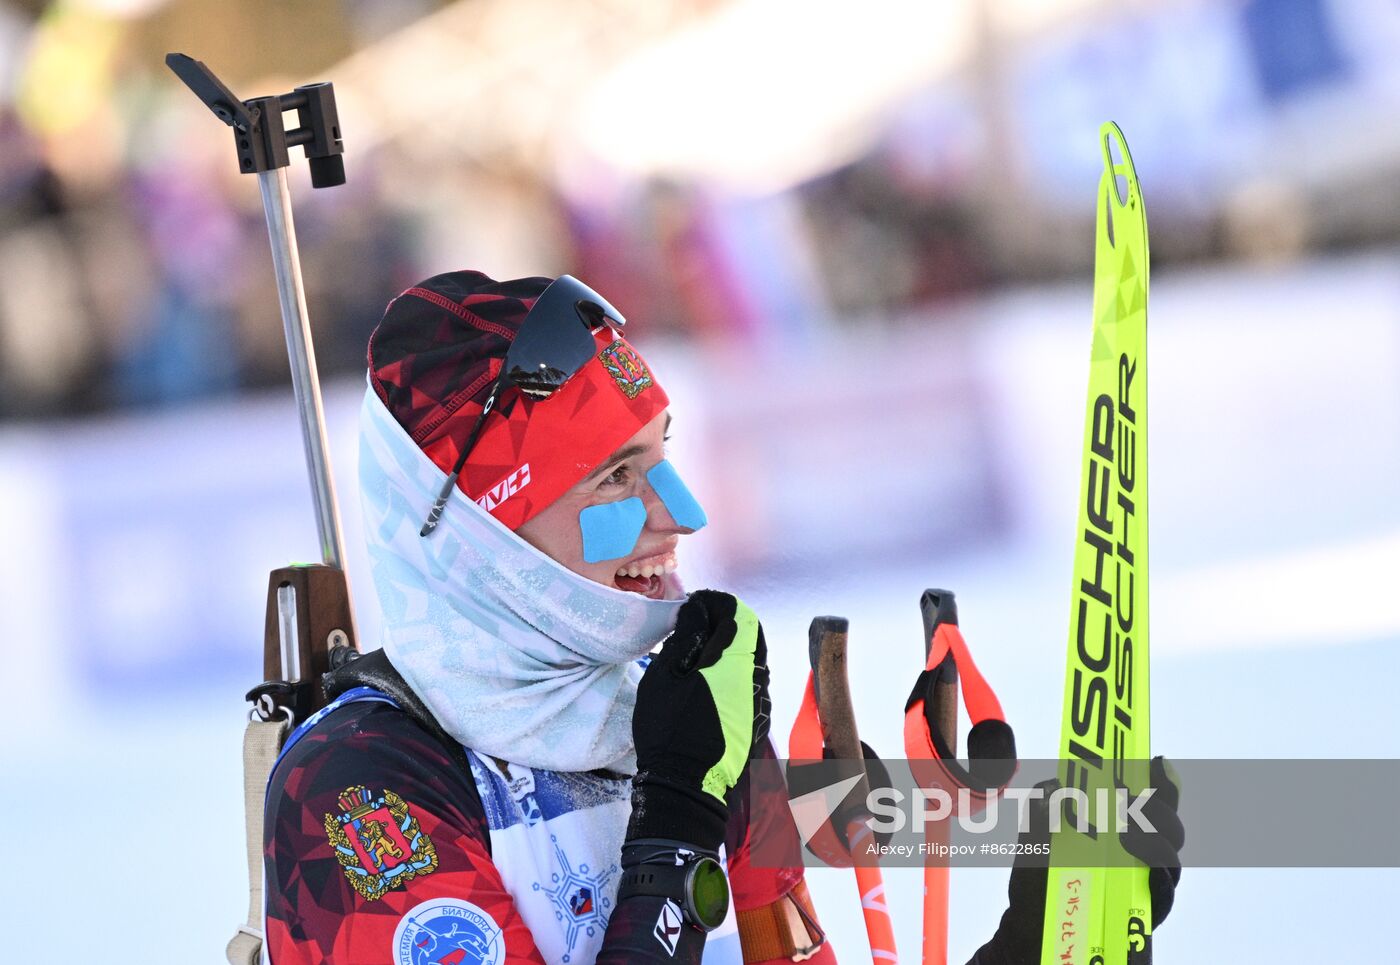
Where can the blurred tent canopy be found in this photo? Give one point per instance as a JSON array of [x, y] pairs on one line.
[[490, 80], [710, 101], [691, 89], [766, 94]]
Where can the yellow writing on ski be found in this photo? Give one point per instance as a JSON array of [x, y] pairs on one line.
[[1097, 915]]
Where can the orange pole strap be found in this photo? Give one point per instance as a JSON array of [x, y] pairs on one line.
[[805, 741], [982, 704]]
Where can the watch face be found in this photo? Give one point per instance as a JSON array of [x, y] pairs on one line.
[[709, 894]]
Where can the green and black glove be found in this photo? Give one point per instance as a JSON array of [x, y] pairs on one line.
[[701, 707], [1018, 937]]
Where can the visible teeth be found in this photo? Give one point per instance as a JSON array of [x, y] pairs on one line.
[[659, 567]]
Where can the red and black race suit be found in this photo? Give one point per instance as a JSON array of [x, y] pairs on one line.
[[359, 795]]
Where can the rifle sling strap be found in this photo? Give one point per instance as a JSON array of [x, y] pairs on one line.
[[261, 743]]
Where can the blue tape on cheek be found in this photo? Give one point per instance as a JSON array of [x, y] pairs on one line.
[[611, 530], [684, 508]]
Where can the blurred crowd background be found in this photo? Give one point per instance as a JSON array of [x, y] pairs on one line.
[[856, 242], [892, 167]]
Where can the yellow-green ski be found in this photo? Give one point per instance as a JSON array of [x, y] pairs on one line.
[[1097, 915]]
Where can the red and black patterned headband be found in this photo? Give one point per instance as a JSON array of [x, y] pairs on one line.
[[433, 360]]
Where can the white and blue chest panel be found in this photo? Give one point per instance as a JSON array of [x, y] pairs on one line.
[[556, 840]]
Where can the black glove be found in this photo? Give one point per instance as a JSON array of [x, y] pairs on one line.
[[701, 706], [1018, 937]]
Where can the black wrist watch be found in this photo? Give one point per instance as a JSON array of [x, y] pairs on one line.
[[694, 881]]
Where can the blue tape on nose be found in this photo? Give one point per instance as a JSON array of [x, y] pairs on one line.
[[610, 530], [684, 508]]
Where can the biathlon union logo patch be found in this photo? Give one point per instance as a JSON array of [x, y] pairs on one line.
[[448, 930], [627, 368], [378, 842]]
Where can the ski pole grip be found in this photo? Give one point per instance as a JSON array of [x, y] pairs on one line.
[[826, 648], [938, 607]]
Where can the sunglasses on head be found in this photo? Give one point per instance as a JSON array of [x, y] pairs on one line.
[[553, 343]]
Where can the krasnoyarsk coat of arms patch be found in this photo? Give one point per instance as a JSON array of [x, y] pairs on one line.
[[378, 842]]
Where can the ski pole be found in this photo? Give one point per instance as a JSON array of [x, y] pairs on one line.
[[874, 905], [930, 742], [943, 713], [936, 888], [826, 723]]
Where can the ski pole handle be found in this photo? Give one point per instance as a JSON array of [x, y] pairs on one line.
[[937, 606], [826, 648], [827, 638]]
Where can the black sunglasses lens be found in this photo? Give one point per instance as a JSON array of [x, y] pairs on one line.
[[540, 382], [566, 295], [556, 338]]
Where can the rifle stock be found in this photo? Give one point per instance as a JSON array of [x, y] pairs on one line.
[[308, 631]]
